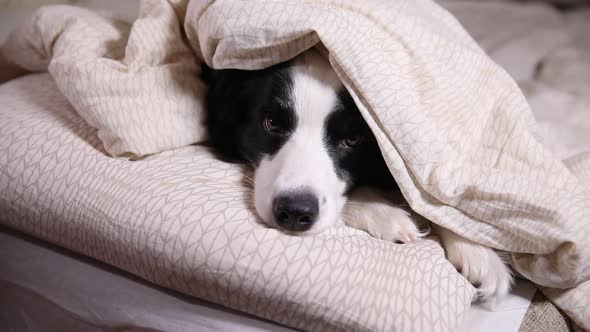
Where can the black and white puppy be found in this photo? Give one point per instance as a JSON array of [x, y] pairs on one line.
[[316, 162]]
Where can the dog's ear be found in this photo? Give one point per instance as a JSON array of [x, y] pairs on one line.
[[226, 115], [235, 101]]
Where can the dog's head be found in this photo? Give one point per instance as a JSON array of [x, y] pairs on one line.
[[300, 128]]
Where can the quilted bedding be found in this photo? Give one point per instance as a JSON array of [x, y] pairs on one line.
[[181, 219]]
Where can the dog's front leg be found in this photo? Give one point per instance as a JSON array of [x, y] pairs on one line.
[[370, 211], [480, 265]]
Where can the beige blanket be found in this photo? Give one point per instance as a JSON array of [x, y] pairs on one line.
[[454, 128]]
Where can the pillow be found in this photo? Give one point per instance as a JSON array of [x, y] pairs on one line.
[[181, 219]]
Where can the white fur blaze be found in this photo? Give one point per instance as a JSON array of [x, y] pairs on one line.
[[304, 161]]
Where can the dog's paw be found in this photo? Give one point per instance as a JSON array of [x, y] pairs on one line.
[[480, 265], [369, 211], [391, 223]]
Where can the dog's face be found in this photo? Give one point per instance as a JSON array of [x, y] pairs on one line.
[[304, 135]]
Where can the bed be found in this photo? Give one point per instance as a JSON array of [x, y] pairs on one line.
[[554, 75]]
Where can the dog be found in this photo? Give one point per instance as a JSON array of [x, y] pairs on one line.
[[316, 162]]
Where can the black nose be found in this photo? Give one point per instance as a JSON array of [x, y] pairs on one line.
[[295, 211]]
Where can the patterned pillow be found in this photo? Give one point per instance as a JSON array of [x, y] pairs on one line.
[[181, 219]]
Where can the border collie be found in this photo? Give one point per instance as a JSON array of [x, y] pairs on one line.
[[316, 162]]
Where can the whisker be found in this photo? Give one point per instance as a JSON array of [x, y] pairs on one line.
[[249, 179]]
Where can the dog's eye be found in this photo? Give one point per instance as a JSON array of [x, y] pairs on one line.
[[352, 141], [271, 125]]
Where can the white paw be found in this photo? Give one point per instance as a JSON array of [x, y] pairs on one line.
[[391, 224], [480, 265], [370, 211]]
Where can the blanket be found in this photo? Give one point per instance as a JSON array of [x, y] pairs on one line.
[[454, 128]]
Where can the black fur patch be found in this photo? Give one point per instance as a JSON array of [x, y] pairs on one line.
[[238, 101], [361, 164]]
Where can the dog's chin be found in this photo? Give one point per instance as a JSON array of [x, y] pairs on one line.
[[320, 227]]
